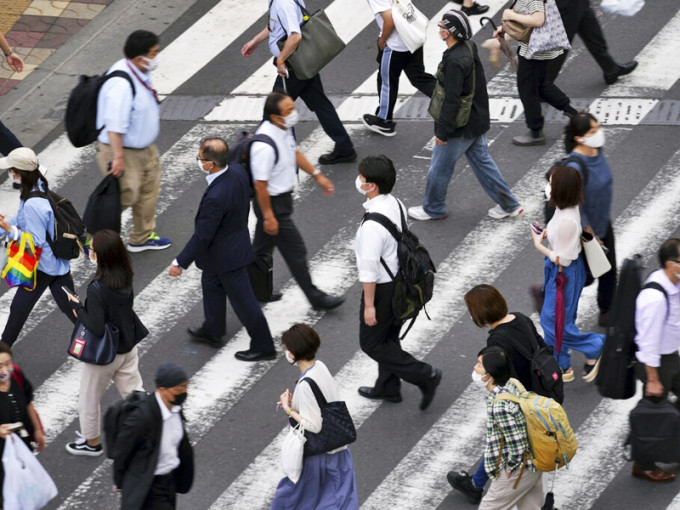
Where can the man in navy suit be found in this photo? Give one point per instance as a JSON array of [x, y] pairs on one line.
[[221, 248]]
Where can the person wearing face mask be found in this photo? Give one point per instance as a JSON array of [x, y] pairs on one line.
[[507, 440], [153, 459], [129, 117], [220, 247], [376, 250], [110, 300], [274, 177], [328, 479], [657, 325]]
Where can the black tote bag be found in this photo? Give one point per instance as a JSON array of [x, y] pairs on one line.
[[103, 207]]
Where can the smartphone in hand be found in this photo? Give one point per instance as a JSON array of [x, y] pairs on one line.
[[70, 293], [536, 228]]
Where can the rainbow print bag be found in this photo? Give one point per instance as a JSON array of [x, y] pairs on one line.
[[21, 269]]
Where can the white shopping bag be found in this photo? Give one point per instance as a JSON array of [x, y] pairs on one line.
[[292, 452], [27, 485], [410, 23], [622, 7]]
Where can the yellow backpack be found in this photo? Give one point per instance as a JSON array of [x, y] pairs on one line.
[[552, 441]]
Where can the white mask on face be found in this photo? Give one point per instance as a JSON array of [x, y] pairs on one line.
[[289, 357], [92, 255], [548, 190], [151, 64], [358, 185], [200, 167], [13, 176], [4, 376], [596, 141], [291, 120], [477, 379]]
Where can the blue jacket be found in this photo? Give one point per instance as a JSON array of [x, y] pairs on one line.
[[221, 241]]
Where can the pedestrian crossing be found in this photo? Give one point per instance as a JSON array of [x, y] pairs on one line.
[[470, 250]]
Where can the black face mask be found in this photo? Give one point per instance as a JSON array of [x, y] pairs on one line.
[[179, 399]]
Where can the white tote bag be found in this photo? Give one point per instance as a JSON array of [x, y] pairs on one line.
[[27, 485], [597, 260], [411, 24], [292, 452], [622, 7]]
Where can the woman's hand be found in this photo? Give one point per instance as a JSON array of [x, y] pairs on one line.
[[4, 431], [508, 15], [39, 436], [4, 224], [537, 238], [285, 400]]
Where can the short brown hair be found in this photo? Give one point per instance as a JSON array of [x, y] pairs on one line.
[[5, 348], [566, 188], [302, 341], [485, 304]]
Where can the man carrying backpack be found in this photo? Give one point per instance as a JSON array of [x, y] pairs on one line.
[[657, 321], [376, 251], [126, 148]]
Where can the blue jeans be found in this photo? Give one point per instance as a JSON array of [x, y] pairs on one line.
[[480, 477], [444, 158]]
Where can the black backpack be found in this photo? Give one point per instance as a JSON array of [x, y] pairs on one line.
[[81, 109], [69, 230], [240, 153], [115, 417], [414, 282], [549, 210], [616, 376]]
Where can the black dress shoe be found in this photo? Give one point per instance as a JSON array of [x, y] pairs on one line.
[[276, 296], [335, 157], [368, 392], [463, 482], [621, 70], [328, 302], [198, 335], [475, 9], [430, 388], [254, 355]]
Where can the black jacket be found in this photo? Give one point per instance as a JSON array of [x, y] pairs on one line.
[[221, 241], [137, 448], [115, 306], [456, 67]]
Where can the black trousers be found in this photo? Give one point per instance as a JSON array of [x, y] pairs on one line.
[[236, 286], [392, 63], [162, 494], [536, 83], [606, 284], [288, 241], [24, 301], [381, 343], [578, 18], [312, 93], [8, 142]]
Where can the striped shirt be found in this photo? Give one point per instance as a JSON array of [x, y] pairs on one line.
[[530, 7]]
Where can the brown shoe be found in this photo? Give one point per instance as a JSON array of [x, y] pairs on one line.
[[656, 475]]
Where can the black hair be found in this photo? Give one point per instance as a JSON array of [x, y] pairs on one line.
[[380, 171], [670, 250], [5, 348], [216, 149], [139, 43], [114, 267], [271, 104], [497, 364], [302, 341], [29, 180], [578, 125]]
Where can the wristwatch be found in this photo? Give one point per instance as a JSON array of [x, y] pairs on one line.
[[11, 52]]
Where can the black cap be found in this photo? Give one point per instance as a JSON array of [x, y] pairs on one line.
[[169, 375], [457, 24]]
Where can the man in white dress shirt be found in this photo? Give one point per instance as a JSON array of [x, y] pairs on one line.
[[378, 328], [657, 322]]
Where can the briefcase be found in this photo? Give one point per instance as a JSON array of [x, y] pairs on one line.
[[261, 274], [655, 431]]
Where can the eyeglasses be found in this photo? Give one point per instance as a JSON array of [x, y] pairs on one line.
[[199, 158]]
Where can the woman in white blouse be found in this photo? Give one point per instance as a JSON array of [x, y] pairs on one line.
[[327, 480], [563, 253]]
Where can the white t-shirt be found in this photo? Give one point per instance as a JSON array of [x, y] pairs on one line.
[[394, 42], [280, 177], [564, 235]]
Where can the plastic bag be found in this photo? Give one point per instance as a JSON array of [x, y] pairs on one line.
[[292, 452], [27, 485], [622, 7]]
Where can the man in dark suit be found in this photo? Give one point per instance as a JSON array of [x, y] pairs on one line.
[[221, 248], [153, 459]]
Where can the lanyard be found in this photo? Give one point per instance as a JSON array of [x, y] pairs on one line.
[[143, 82]]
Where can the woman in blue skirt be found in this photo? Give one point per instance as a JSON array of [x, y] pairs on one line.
[[327, 480], [565, 255]]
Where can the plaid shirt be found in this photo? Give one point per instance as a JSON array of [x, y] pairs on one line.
[[505, 420]]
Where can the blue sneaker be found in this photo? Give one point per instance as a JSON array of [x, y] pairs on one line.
[[154, 242]]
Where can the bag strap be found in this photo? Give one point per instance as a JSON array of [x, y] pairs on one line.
[[391, 228], [320, 399], [122, 74], [261, 137], [474, 72], [659, 287], [18, 376], [305, 12], [517, 346]]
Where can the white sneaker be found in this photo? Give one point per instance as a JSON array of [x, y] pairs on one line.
[[418, 213], [498, 214]]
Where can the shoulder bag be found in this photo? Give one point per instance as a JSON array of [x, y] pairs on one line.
[[21, 269], [550, 36], [337, 429], [410, 23], [89, 348], [319, 45], [515, 29], [598, 264], [439, 94]]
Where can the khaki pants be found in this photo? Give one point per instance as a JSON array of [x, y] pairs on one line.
[[527, 496], [139, 186], [124, 370]]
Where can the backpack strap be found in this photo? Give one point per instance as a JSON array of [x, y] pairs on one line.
[[320, 399], [582, 165], [391, 228], [659, 287], [121, 74], [260, 137], [519, 347], [18, 376]]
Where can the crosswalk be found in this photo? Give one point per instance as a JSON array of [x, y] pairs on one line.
[[401, 457]]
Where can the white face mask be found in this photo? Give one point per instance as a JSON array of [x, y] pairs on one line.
[[291, 120], [92, 255], [200, 167], [358, 185], [151, 64], [289, 357], [548, 190], [5, 375], [13, 176], [477, 379], [596, 141]]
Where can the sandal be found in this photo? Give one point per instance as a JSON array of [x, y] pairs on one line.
[[590, 371], [567, 375]]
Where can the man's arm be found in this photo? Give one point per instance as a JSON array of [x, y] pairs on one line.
[[324, 183], [369, 303], [650, 315], [388, 27], [250, 47], [270, 223], [118, 162], [13, 60]]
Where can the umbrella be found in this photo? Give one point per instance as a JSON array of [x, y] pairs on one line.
[[560, 283], [505, 45]]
